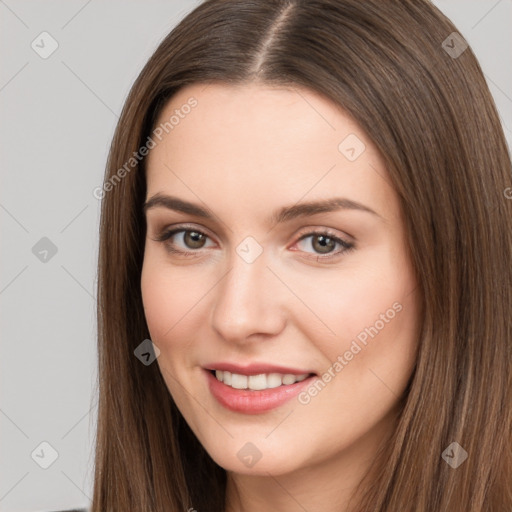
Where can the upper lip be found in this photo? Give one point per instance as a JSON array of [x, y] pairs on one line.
[[255, 368]]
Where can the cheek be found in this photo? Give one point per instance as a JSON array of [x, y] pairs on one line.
[[170, 306], [168, 299], [373, 355], [348, 302], [369, 316]]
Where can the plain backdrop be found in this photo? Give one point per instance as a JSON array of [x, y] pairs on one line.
[[57, 118]]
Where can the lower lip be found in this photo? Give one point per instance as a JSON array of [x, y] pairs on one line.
[[254, 402]]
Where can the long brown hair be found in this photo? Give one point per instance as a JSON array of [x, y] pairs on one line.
[[430, 113]]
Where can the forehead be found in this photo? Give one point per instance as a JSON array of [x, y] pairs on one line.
[[252, 143], [248, 114]]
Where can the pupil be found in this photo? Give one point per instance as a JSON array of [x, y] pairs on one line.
[[196, 238], [323, 240]]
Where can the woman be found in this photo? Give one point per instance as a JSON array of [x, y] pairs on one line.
[[304, 269]]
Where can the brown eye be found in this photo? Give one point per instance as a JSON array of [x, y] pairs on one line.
[[179, 240], [194, 239], [323, 244], [191, 241]]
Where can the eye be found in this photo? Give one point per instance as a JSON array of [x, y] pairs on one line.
[[193, 239], [324, 242]]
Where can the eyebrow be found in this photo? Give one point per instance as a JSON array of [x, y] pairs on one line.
[[284, 214]]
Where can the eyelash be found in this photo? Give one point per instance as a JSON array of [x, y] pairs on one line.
[[164, 236]]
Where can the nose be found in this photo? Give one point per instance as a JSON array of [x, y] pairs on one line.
[[249, 302]]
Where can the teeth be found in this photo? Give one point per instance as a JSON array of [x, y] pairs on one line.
[[288, 379], [258, 382], [238, 381], [274, 380]]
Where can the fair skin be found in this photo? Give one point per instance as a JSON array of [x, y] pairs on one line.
[[242, 153]]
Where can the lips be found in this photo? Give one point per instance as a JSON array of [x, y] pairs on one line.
[[254, 401], [257, 368]]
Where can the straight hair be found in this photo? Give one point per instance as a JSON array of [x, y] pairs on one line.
[[434, 121]]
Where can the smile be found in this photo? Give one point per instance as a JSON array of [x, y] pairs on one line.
[[254, 394], [258, 382]]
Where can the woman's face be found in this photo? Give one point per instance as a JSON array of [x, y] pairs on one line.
[[289, 257]]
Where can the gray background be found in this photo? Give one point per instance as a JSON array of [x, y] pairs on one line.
[[57, 119]]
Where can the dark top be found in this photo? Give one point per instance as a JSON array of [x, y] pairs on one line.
[[73, 510]]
